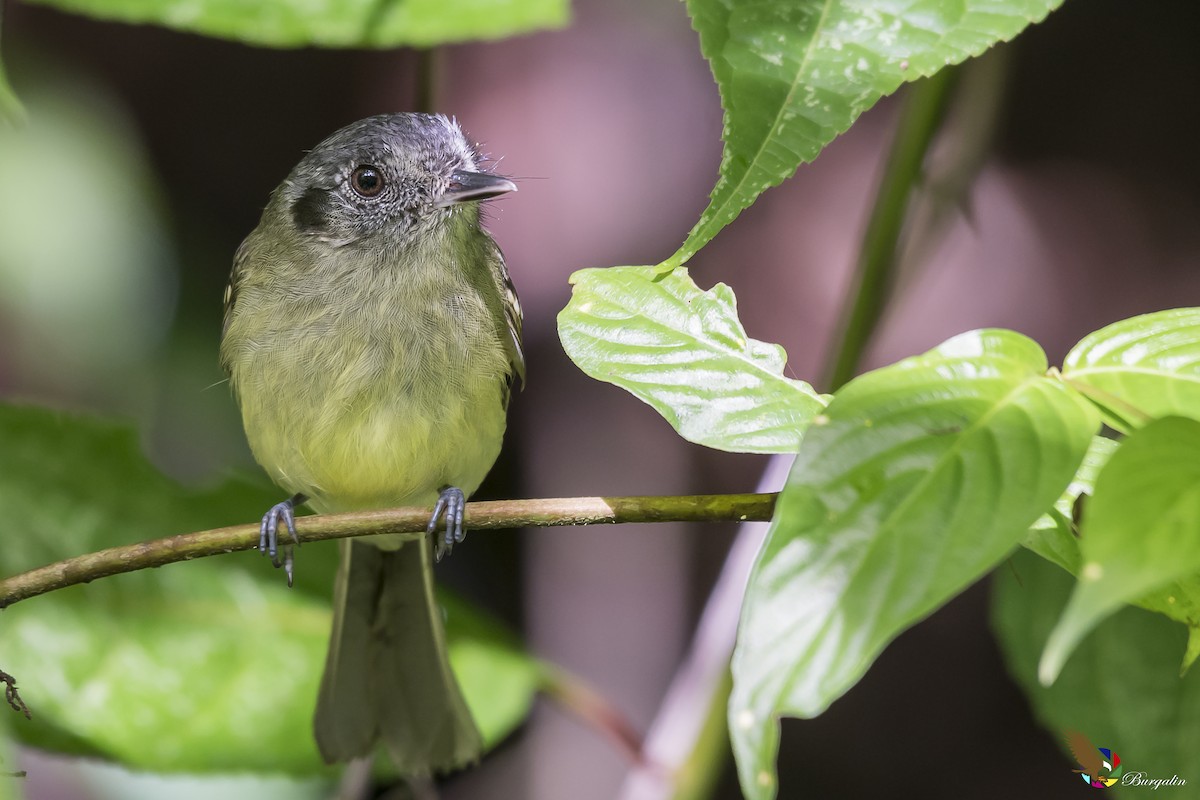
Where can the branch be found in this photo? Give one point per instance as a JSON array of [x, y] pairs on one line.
[[12, 697], [479, 516], [924, 109], [689, 733]]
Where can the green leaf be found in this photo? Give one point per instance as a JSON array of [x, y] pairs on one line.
[[684, 352], [1052, 537], [207, 666], [1145, 367], [921, 477], [1141, 530], [1121, 688], [794, 74], [334, 23]]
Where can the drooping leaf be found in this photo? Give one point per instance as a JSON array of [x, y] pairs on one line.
[[1146, 367], [919, 478], [1053, 536], [207, 666], [794, 74], [685, 353], [1141, 530], [334, 23], [1121, 687]]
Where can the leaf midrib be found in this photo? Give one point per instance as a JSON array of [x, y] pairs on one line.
[[742, 356], [714, 211], [942, 461], [1114, 369]]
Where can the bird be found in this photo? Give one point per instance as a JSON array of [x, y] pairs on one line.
[[1089, 758], [372, 339]]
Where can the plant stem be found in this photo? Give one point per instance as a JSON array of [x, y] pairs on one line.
[[429, 70], [690, 727], [11, 110], [687, 742], [479, 516], [585, 702], [923, 112]]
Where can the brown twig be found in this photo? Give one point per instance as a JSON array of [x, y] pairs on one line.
[[479, 516], [11, 696]]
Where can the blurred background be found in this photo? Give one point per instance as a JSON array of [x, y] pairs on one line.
[[151, 154]]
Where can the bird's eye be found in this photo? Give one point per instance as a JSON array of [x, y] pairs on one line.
[[367, 181]]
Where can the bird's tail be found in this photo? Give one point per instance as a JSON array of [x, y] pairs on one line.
[[387, 676]]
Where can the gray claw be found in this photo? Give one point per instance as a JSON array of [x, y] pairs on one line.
[[268, 534], [453, 503]]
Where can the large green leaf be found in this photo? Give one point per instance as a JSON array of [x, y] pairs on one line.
[[208, 666], [1121, 688], [684, 351], [1054, 537], [794, 74], [1141, 530], [920, 478], [1147, 366], [334, 23]]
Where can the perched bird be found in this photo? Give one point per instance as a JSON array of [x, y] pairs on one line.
[[372, 337]]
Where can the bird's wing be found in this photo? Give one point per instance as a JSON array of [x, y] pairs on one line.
[[1085, 753], [513, 317], [231, 290]]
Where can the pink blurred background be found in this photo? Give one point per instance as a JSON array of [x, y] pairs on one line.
[[1083, 213]]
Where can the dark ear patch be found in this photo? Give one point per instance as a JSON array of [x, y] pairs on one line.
[[311, 210]]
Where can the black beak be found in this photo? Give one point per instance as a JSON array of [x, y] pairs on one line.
[[466, 186]]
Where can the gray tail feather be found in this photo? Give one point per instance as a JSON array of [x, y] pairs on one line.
[[387, 677]]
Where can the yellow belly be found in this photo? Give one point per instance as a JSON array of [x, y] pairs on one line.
[[379, 397], [384, 447]]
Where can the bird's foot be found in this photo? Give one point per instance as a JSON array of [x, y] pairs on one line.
[[452, 502], [268, 533]]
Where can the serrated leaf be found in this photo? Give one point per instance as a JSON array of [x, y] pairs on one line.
[[1148, 365], [208, 666], [1121, 687], [1141, 530], [685, 353], [794, 74], [927, 473], [334, 23]]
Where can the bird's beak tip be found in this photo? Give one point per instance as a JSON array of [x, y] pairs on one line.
[[467, 186]]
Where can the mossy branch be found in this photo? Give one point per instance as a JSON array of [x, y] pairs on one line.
[[479, 516]]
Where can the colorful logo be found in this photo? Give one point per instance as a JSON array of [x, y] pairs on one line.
[[1099, 766]]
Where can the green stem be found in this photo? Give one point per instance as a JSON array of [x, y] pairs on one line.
[[479, 516], [11, 110], [698, 775], [429, 70], [1115, 407], [923, 112]]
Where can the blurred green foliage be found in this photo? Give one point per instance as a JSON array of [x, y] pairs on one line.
[[219, 653], [334, 23]]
